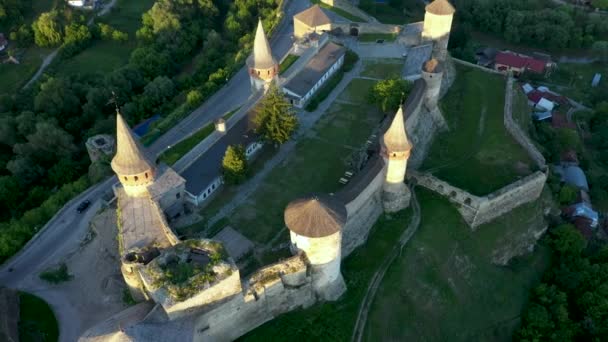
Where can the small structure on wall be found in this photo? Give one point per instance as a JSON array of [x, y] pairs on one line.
[[437, 26]]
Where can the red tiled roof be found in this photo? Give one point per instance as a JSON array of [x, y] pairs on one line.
[[519, 61], [535, 96]]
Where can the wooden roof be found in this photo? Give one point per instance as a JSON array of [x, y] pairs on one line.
[[315, 215]]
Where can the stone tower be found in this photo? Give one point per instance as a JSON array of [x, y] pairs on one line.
[[437, 26], [396, 151], [133, 168], [432, 73], [263, 67], [315, 223]]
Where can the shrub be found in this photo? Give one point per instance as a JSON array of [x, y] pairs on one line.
[[58, 275], [234, 164], [194, 98]]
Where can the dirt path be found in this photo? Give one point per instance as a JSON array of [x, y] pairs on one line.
[[374, 284]]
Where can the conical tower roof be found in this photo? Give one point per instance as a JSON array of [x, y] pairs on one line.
[[130, 158], [395, 138], [440, 7], [315, 215], [262, 55]]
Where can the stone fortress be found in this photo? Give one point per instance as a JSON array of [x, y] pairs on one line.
[[192, 290]]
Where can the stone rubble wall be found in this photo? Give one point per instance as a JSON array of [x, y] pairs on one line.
[[272, 290]]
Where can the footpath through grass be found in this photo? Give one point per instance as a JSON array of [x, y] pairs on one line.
[[334, 321], [444, 286], [477, 154], [36, 320]]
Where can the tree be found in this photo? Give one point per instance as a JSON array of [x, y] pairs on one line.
[[234, 164], [388, 94], [47, 29], [600, 49], [275, 120], [567, 195], [567, 241], [601, 4], [194, 98]]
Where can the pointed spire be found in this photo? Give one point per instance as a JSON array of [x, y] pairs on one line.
[[440, 7], [262, 55], [395, 138], [130, 158]]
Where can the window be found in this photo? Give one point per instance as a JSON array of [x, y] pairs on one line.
[[126, 179], [178, 195], [146, 174], [258, 72], [135, 178], [213, 187]]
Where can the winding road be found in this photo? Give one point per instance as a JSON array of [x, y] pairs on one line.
[[374, 284]]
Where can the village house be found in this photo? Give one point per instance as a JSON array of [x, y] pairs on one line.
[[506, 61], [84, 4]]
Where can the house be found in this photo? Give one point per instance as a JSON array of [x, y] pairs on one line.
[[596, 80], [506, 61], [85, 4], [540, 116], [582, 212], [313, 19], [572, 175], [486, 56], [3, 42], [544, 105], [527, 88], [318, 70], [536, 97]]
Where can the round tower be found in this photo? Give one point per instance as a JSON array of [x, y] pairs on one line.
[[432, 73], [396, 151], [263, 67], [315, 223], [133, 168], [437, 26]]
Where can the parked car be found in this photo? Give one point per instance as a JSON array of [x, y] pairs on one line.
[[83, 206]]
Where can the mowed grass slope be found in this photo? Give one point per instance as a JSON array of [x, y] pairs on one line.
[[334, 321], [477, 154], [444, 286]]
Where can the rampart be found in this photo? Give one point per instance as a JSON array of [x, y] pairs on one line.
[[477, 210]]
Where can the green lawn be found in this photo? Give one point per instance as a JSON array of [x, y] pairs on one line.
[[372, 37], [287, 62], [334, 321], [14, 76], [477, 154], [444, 286], [36, 320], [574, 80], [357, 91], [340, 12], [177, 151], [382, 69], [413, 12], [100, 57]]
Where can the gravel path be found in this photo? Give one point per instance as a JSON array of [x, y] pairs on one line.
[[374, 284]]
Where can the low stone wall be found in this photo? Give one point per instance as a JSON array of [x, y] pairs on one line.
[[477, 210], [482, 68], [350, 8], [273, 290], [517, 132]]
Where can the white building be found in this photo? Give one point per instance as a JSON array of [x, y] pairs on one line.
[[302, 87]]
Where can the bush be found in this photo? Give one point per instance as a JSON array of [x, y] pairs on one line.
[[234, 165], [350, 59], [194, 98], [56, 276]]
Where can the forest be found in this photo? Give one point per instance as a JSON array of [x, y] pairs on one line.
[[43, 162]]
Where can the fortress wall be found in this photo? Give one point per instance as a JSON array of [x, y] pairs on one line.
[[518, 134], [364, 205], [163, 223], [511, 196], [419, 124], [273, 290]]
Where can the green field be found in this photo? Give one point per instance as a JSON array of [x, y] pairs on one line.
[[287, 62], [36, 320], [316, 164], [383, 68], [334, 321], [357, 91], [444, 285], [14, 76], [477, 154]]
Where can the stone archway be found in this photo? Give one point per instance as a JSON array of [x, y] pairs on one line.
[[354, 31]]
